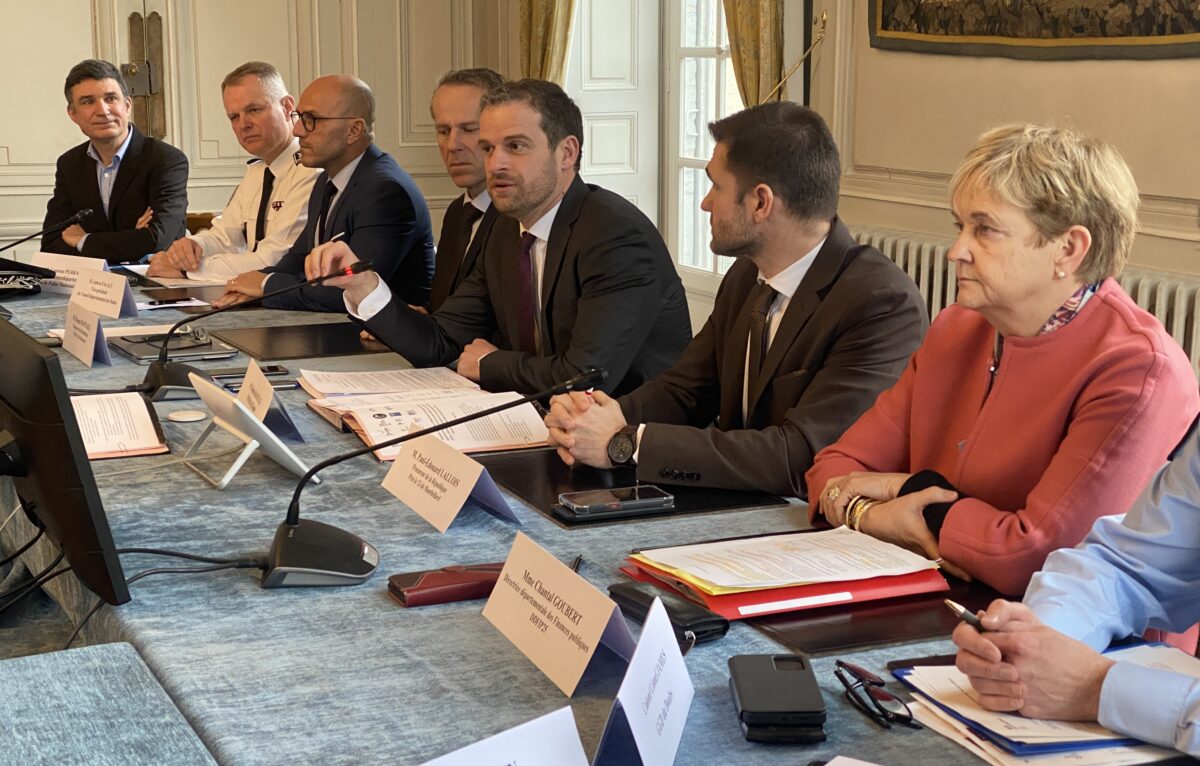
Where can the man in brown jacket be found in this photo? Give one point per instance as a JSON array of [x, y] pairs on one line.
[[807, 328]]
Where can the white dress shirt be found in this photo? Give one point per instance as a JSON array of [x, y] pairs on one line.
[[106, 176], [229, 248]]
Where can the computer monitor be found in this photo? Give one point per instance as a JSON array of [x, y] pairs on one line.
[[43, 452]]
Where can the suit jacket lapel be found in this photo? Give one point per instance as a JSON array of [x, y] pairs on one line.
[[125, 173], [733, 365], [829, 263], [91, 188], [448, 260], [477, 242], [560, 234], [335, 225]]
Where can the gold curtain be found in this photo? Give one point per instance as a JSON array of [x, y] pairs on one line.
[[756, 46], [546, 38]]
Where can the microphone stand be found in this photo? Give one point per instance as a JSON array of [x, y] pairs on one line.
[[306, 552], [165, 374], [38, 271]]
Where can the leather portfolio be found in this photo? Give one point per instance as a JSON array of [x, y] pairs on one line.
[[440, 586]]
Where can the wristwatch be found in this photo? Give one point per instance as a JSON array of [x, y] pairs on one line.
[[622, 446]]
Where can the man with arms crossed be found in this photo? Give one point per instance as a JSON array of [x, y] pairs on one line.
[[136, 186], [807, 328], [363, 198], [1129, 574], [571, 277], [269, 208], [455, 108]]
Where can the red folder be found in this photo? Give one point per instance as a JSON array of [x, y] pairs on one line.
[[756, 603]]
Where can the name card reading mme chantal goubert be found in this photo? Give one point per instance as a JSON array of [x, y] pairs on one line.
[[553, 616]]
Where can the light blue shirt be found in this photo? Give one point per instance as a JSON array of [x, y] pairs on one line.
[[106, 176], [1130, 574]]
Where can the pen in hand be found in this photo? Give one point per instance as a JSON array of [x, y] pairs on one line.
[[578, 562], [966, 615]]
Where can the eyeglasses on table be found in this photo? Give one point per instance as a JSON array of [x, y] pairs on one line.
[[865, 690]]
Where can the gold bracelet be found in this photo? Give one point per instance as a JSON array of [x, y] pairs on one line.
[[852, 509], [862, 514]]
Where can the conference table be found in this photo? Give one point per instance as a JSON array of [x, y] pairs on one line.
[[345, 675]]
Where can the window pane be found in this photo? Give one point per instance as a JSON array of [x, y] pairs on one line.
[[700, 23], [698, 106], [733, 98], [692, 248], [724, 263]]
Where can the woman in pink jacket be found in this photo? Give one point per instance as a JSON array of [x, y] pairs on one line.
[[1044, 398]]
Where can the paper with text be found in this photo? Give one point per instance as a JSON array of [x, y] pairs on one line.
[[116, 425], [323, 384], [773, 561], [334, 408], [514, 428], [435, 480], [256, 391], [552, 740], [553, 616], [68, 268], [120, 332], [104, 293], [941, 722], [83, 337]]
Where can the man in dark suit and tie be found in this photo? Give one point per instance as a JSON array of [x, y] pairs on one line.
[[571, 277], [455, 108], [363, 199], [135, 186], [807, 328]]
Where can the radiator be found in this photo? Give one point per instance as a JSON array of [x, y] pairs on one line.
[[1173, 298]]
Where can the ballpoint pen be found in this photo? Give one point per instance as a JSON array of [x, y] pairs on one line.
[[965, 615], [578, 562]]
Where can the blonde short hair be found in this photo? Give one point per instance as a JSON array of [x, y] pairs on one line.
[[1060, 178]]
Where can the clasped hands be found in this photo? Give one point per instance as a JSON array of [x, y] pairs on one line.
[[1020, 665], [581, 426], [896, 519]]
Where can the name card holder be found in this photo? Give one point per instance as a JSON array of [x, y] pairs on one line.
[[435, 480], [552, 740]]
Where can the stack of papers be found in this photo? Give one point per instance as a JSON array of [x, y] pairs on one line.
[[781, 573], [118, 425], [948, 704], [379, 406]]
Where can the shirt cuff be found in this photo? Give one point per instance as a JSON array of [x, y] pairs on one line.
[[372, 304], [1123, 705], [79, 244], [637, 442]]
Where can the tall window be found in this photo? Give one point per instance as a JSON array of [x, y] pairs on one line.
[[701, 88]]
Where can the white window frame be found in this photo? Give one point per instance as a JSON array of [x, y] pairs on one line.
[[697, 281]]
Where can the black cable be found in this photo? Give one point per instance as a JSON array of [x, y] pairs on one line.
[[178, 555], [23, 548], [240, 564], [21, 591]]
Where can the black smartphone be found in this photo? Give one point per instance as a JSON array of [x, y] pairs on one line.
[[783, 735], [601, 501], [237, 373], [776, 690]]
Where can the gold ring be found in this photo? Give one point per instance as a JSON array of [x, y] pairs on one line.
[[834, 492]]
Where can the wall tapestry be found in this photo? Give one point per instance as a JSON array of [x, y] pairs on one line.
[[1039, 29]]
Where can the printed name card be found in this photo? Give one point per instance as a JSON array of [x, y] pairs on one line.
[[68, 268], [552, 740], [436, 480], [553, 616], [648, 716], [256, 391], [104, 293], [83, 337]]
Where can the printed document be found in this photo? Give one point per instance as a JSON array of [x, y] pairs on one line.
[[775, 561], [325, 384], [117, 425]]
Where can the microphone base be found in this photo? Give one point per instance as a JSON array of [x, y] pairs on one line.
[[315, 554], [169, 380]]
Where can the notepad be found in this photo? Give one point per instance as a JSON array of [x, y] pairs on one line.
[[118, 425]]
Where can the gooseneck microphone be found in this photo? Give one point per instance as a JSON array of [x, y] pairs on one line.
[[306, 552], [163, 373], [37, 271]]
